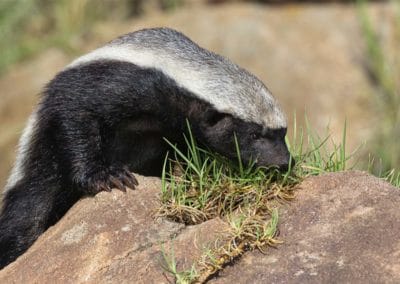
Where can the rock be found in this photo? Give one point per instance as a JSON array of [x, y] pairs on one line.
[[112, 238], [341, 228]]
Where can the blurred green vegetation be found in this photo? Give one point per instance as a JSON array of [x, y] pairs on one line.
[[383, 67], [27, 26]]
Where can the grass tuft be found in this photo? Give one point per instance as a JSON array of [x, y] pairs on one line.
[[170, 266], [315, 155], [199, 185], [249, 230], [392, 177]]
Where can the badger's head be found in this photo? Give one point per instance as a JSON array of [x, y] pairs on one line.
[[245, 111], [264, 145]]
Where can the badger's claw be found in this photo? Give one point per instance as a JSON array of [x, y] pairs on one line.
[[119, 178], [128, 179]]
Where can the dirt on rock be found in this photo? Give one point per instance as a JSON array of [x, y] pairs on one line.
[[341, 228]]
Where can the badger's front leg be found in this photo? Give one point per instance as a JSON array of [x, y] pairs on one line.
[[85, 156]]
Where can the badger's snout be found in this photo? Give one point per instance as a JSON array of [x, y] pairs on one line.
[[274, 154], [287, 165]]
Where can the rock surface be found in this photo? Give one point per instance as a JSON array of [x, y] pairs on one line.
[[341, 228], [112, 238]]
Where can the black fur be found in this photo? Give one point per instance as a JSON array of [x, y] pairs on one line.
[[100, 121]]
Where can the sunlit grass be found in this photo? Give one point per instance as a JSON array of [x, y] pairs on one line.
[[199, 185], [393, 177], [315, 154], [169, 264]]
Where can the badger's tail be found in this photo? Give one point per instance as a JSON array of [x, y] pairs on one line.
[[29, 208]]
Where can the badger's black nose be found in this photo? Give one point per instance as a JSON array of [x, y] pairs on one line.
[[286, 166]]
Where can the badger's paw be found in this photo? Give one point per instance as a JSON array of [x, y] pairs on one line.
[[119, 178]]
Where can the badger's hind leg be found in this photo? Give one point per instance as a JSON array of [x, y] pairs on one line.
[[29, 208]]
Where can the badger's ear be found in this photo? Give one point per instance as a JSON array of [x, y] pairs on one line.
[[212, 117]]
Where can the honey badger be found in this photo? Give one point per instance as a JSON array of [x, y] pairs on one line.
[[106, 114]]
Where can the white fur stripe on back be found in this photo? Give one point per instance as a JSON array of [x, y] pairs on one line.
[[17, 172], [226, 86]]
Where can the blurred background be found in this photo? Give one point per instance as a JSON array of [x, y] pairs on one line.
[[329, 61]]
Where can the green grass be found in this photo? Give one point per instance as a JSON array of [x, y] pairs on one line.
[[316, 155], [169, 265], [199, 185], [392, 177]]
